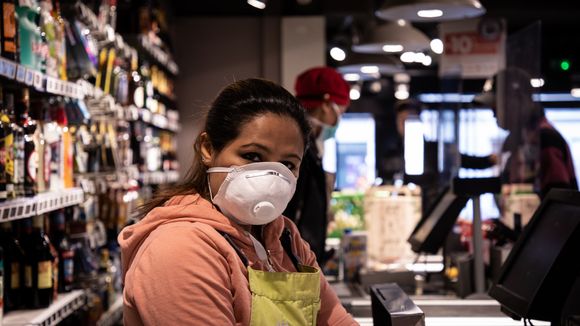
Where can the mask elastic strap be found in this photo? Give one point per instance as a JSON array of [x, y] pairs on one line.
[[219, 169], [209, 187]]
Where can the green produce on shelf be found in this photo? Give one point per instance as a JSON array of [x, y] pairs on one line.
[[348, 211]]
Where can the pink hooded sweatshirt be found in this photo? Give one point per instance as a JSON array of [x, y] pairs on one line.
[[178, 270]]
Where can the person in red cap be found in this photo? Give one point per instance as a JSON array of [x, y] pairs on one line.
[[325, 95]]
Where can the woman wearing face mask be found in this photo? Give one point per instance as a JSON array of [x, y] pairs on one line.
[[216, 250], [325, 95]]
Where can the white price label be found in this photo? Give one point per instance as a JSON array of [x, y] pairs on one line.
[[10, 68], [51, 85], [38, 80], [29, 79], [20, 73]]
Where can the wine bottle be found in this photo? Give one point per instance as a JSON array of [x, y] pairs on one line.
[[4, 130], [39, 268], [13, 268], [12, 148], [30, 155], [65, 252]]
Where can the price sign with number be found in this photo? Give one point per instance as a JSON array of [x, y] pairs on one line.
[[473, 48]]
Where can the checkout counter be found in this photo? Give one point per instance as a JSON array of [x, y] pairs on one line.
[[536, 282]]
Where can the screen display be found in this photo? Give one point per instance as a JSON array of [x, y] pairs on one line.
[[428, 225], [542, 247]]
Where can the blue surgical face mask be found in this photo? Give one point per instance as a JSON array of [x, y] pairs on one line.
[[328, 131]]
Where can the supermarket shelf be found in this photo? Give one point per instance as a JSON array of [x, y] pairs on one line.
[[161, 56], [114, 314], [159, 177], [63, 306], [42, 203], [41, 82]]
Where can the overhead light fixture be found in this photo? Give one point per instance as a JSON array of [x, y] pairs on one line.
[[436, 46], [405, 36], [537, 82], [427, 60], [430, 13], [394, 48], [375, 66], [408, 57], [430, 10], [260, 4], [354, 93], [352, 77], [369, 69], [402, 92], [337, 54]]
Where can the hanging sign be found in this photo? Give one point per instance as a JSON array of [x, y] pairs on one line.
[[473, 48]]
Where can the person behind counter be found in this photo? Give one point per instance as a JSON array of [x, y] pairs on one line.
[[216, 250], [325, 96]]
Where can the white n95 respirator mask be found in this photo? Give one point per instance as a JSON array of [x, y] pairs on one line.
[[255, 193]]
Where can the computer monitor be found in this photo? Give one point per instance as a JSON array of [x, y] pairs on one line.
[[541, 269], [430, 233]]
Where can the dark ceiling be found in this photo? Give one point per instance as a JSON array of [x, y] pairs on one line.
[[559, 21]]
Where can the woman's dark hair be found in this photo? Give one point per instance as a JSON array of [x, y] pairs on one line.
[[236, 105]]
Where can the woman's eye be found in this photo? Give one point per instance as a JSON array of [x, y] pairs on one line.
[[291, 166], [253, 157]]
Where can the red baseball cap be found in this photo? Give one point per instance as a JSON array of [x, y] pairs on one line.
[[314, 83]]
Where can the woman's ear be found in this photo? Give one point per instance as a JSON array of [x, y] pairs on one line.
[[206, 150]]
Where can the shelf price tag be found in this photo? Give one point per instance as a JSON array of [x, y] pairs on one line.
[[51, 85], [10, 69], [21, 73], [29, 79], [2, 67], [38, 80]]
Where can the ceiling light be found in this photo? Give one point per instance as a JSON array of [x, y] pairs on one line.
[[575, 92], [419, 57], [410, 38], [392, 48], [369, 69], [260, 4], [427, 60], [354, 93], [430, 13], [408, 57], [337, 54], [436, 46], [402, 94], [537, 82], [387, 65], [376, 86], [402, 78], [351, 77], [430, 10]]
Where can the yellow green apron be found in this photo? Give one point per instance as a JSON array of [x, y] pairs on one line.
[[281, 298]]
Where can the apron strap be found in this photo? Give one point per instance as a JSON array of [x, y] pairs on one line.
[[242, 256], [285, 239]]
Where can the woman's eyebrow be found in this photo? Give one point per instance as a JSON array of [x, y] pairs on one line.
[[260, 146]]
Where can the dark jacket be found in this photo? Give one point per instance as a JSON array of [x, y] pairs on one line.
[[309, 206]]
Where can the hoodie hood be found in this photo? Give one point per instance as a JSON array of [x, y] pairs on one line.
[[189, 208]]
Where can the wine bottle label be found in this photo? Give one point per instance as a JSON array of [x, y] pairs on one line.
[[68, 266], [32, 165], [28, 276], [45, 274], [15, 276], [9, 19], [9, 156]]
